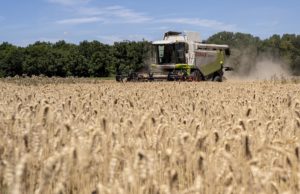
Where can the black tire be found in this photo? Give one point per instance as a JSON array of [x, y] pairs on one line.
[[119, 78], [217, 78], [196, 75], [170, 78]]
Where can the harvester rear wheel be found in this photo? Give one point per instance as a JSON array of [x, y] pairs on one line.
[[217, 78]]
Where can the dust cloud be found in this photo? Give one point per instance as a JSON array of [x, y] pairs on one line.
[[268, 69], [265, 69]]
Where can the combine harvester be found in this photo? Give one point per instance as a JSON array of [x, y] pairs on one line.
[[182, 57]]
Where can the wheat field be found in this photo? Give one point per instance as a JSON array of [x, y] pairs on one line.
[[81, 136]]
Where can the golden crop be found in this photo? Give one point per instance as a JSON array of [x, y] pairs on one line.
[[173, 138]]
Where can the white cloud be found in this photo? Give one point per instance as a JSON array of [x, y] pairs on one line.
[[110, 14], [116, 14], [91, 11], [85, 20], [128, 14], [107, 15], [85, 13], [213, 24], [69, 2]]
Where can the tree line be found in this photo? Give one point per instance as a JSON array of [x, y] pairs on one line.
[[88, 59], [95, 59]]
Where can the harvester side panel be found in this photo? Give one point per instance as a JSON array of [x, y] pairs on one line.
[[209, 62]]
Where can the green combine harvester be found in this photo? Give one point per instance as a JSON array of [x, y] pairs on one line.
[[182, 57]]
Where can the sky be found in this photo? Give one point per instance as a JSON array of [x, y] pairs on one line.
[[24, 22]]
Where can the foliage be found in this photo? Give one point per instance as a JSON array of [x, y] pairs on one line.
[[88, 59]]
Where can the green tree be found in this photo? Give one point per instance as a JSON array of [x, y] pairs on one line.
[[11, 58], [295, 58], [99, 64], [130, 56], [37, 59]]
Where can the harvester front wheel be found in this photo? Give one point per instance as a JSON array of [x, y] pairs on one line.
[[196, 76]]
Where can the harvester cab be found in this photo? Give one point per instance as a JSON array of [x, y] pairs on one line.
[[182, 57]]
